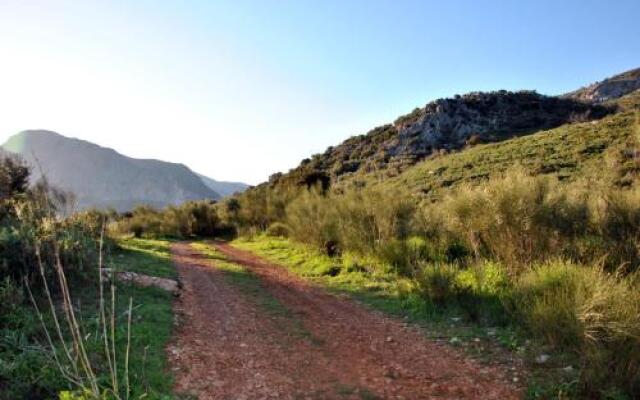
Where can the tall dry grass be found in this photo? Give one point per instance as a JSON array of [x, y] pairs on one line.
[[68, 338], [586, 311]]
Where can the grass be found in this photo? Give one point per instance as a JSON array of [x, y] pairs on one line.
[[146, 256], [371, 283], [152, 316], [27, 369]]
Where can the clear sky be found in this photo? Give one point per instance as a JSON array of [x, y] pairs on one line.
[[238, 90]]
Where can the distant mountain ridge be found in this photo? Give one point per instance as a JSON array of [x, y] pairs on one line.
[[101, 177], [224, 188]]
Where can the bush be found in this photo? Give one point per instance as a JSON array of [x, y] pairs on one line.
[[589, 312], [547, 299], [482, 289], [406, 256], [437, 282], [517, 219], [311, 220], [278, 229], [26, 371], [616, 219], [359, 220], [193, 218], [11, 297]]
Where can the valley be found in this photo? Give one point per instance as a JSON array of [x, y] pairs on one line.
[[482, 246]]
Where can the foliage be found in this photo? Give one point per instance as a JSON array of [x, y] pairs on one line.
[[278, 229], [193, 218], [51, 253], [587, 311]]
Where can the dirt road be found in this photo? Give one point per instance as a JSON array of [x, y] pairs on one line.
[[226, 346]]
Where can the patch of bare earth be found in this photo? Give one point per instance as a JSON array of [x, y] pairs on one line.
[[227, 347]]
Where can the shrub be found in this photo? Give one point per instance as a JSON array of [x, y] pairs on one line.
[[278, 229], [611, 348], [11, 296], [482, 288], [407, 255], [14, 177], [311, 220], [616, 219], [193, 218], [373, 217], [516, 219], [359, 220], [547, 300], [437, 282], [589, 312]]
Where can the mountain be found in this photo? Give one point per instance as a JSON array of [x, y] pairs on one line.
[[447, 126], [224, 188], [101, 177], [441, 126], [610, 88]]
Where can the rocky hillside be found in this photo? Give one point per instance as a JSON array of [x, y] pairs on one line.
[[439, 127], [605, 150], [611, 88], [101, 177]]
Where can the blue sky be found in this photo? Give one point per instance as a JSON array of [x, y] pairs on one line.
[[238, 90]]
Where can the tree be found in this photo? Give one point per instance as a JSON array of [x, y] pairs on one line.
[[14, 177]]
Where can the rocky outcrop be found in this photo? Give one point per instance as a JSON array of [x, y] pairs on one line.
[[609, 89], [484, 117]]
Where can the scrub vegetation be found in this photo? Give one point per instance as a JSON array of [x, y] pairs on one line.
[[537, 235], [67, 329]]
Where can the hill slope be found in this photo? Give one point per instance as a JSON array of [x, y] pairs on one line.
[[570, 152], [101, 177], [222, 187], [446, 126], [610, 88]]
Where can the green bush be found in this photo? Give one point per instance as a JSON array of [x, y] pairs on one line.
[[278, 229], [517, 219], [359, 220], [616, 219], [437, 282], [407, 255], [11, 297], [311, 220], [193, 218], [589, 312], [548, 298], [26, 371], [482, 289]]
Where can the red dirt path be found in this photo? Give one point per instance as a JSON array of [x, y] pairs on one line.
[[227, 347]]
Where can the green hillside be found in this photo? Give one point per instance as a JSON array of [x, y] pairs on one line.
[[569, 152]]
